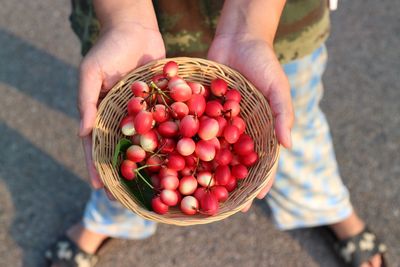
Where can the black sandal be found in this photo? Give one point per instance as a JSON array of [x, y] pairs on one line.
[[67, 254], [357, 249]]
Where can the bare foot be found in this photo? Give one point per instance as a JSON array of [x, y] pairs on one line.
[[352, 226]]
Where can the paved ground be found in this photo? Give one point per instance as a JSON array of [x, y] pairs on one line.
[[42, 190]]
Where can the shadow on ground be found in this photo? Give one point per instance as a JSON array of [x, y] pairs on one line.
[[47, 197]]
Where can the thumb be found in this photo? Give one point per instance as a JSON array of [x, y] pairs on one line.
[[90, 81]]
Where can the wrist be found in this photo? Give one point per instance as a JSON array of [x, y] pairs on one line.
[[257, 19]]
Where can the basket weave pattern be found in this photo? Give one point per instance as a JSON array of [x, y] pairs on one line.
[[254, 110]]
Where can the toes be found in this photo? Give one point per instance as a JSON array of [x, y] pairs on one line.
[[376, 261]]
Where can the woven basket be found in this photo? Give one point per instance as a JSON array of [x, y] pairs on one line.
[[254, 110]]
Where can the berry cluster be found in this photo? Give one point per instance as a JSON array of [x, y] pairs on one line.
[[189, 138]]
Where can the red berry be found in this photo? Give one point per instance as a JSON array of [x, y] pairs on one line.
[[140, 89], [186, 146], [223, 156], [208, 129], [200, 193], [196, 105], [234, 95], [168, 129], [219, 87], [154, 162], [164, 172], [249, 159], [189, 126], [135, 105], [149, 141], [197, 88], [167, 145], [128, 169], [239, 123], [135, 153], [187, 185], [244, 145], [189, 205], [143, 122], [169, 197], [231, 134], [175, 162], [160, 113], [220, 192], [231, 185], [128, 126], [179, 109], [160, 81], [170, 69], [209, 204], [222, 124], [214, 108], [158, 206], [180, 91], [222, 174], [231, 108], [205, 178], [169, 182], [205, 150], [239, 171]]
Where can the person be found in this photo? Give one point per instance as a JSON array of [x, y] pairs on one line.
[[280, 48]]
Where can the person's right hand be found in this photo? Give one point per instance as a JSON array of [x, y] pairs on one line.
[[119, 49]]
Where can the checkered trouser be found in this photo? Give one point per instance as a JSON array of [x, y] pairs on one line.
[[308, 190]]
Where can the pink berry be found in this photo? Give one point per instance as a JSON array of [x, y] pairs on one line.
[[208, 129], [205, 150], [140, 89], [187, 185], [189, 205], [128, 126], [135, 153], [186, 146], [170, 69]]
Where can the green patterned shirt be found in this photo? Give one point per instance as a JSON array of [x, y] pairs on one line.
[[188, 26]]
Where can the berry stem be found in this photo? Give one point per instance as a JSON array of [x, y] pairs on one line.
[[144, 179]]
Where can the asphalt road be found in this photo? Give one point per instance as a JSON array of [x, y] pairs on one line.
[[42, 188]]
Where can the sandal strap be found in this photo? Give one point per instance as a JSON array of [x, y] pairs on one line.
[[68, 254], [360, 248]]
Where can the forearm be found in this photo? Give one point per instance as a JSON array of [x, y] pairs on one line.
[[259, 18], [114, 12]]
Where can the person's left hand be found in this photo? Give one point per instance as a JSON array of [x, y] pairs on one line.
[[255, 59]]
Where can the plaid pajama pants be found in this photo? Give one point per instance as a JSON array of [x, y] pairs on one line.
[[308, 190]]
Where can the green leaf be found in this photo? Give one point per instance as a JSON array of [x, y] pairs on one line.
[[121, 147], [140, 190]]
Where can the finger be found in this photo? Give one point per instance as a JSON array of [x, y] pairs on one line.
[[266, 189], [90, 82], [109, 195], [365, 264], [247, 207], [93, 174], [281, 104]]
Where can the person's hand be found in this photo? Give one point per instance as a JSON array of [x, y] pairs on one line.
[[264, 191], [255, 59], [120, 49]]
